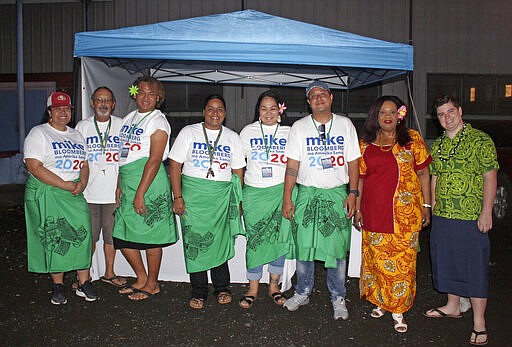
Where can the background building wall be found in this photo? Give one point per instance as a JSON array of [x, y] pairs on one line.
[[449, 36]]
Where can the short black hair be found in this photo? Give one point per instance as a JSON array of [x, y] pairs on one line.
[[214, 96], [271, 94]]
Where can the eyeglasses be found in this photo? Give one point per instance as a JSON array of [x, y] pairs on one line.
[[102, 101], [321, 131]]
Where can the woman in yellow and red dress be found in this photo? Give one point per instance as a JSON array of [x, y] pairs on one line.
[[393, 206]]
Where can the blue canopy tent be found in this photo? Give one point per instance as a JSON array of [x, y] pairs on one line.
[[244, 47]]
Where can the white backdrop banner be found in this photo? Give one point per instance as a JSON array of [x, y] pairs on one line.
[[96, 74], [173, 264]]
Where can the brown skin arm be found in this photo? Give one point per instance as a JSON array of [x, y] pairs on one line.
[[36, 168], [424, 176], [178, 205], [484, 221], [157, 142], [240, 174], [353, 177], [290, 178], [84, 178], [119, 192], [358, 216]]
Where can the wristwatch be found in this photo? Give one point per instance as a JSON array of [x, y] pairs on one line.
[[354, 191]]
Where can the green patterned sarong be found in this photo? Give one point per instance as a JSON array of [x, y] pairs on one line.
[[211, 221], [58, 229], [323, 231], [158, 226], [268, 233]]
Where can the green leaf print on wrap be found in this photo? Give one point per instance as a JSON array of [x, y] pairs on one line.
[[321, 212], [195, 242], [265, 231], [58, 235], [157, 209]]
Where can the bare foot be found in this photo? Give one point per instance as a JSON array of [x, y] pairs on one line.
[[144, 293], [248, 299], [224, 298], [278, 297], [141, 295], [479, 338], [131, 288]]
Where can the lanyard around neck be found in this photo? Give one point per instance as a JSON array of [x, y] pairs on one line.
[[104, 140], [211, 150], [130, 133], [327, 135], [267, 148]]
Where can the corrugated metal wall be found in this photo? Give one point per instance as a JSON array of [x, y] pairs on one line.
[[49, 28], [460, 36]]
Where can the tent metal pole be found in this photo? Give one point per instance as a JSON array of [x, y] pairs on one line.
[[21, 80]]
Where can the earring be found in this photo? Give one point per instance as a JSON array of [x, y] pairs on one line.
[[279, 119]]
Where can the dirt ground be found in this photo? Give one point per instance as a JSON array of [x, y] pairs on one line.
[[27, 318]]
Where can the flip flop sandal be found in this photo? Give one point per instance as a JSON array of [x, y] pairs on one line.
[[196, 303], [224, 298], [377, 312], [478, 333], [248, 300], [127, 289], [278, 298], [400, 325], [110, 280], [146, 295], [440, 314]]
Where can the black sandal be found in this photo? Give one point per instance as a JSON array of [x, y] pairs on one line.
[[249, 299], [478, 333], [277, 296]]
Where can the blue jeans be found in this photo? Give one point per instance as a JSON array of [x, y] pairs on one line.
[[335, 279], [274, 267]]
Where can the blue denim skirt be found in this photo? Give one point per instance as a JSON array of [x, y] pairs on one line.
[[460, 257]]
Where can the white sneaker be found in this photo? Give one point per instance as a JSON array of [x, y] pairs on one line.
[[340, 309], [296, 301], [464, 305]]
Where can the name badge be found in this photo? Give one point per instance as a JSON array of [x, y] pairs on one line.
[[123, 154], [102, 161], [327, 164], [266, 173]]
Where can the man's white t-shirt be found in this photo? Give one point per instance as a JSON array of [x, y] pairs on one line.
[[265, 154], [191, 150], [103, 157], [135, 135], [323, 165], [61, 152]]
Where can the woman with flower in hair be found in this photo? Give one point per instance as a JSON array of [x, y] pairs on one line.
[[393, 206], [268, 233], [144, 219]]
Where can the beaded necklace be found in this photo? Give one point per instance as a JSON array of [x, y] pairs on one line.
[[390, 146], [454, 149]]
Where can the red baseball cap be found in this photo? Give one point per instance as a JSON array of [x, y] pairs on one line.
[[57, 99]]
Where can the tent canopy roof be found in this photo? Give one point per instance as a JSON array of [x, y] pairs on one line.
[[247, 47]]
